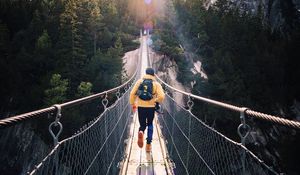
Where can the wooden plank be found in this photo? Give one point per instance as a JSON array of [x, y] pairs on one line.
[[138, 161], [159, 165], [143, 163], [134, 157]]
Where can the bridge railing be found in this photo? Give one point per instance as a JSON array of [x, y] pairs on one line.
[[96, 148], [195, 147], [242, 110], [10, 121]]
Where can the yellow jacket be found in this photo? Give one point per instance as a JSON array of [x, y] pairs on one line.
[[158, 93]]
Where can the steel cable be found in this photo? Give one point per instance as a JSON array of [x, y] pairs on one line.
[[210, 153], [90, 150], [30, 115], [249, 112]]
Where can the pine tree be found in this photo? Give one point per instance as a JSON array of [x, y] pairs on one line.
[[57, 90], [95, 22], [84, 89], [71, 51]]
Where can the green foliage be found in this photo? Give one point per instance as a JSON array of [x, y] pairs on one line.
[[57, 92], [40, 38], [43, 41], [84, 89], [4, 38], [246, 62], [105, 67], [184, 74], [48, 40], [166, 42], [118, 46]]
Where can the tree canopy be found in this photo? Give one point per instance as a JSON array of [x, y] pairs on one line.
[[77, 40]]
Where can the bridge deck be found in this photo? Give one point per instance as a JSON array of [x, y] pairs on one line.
[[138, 161]]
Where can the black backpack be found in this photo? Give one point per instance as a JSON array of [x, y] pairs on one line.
[[145, 91]]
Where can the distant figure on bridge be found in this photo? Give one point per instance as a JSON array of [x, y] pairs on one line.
[[148, 93]]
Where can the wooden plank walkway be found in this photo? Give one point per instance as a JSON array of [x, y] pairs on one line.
[[140, 162], [137, 161]]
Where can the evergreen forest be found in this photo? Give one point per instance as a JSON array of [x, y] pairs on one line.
[[247, 61], [56, 50], [53, 51]]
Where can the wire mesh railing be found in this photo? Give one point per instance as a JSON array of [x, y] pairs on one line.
[[196, 148], [96, 149], [193, 146], [242, 110], [10, 121]]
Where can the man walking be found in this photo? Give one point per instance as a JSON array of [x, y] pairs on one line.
[[148, 93]]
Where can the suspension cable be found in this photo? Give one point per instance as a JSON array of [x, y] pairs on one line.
[[249, 112], [30, 115], [245, 149], [190, 143]]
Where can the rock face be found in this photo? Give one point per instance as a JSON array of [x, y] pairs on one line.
[[272, 143], [130, 61], [280, 15], [167, 69], [20, 149]]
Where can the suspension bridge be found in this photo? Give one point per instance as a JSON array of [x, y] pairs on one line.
[[182, 143]]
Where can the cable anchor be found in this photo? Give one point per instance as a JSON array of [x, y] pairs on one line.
[[190, 103], [118, 93], [56, 123], [243, 129], [105, 101]]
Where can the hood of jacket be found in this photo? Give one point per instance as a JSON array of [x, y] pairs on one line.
[[147, 76]]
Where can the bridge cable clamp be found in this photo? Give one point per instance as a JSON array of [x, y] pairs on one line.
[[55, 124], [190, 103], [118, 94], [166, 91], [105, 101], [243, 129]]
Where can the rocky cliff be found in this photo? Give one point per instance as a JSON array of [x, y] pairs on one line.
[[280, 15], [20, 148]]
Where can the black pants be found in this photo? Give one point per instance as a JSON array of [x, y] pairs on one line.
[[146, 116]]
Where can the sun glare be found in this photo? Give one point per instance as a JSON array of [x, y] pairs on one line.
[[145, 11], [148, 1]]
